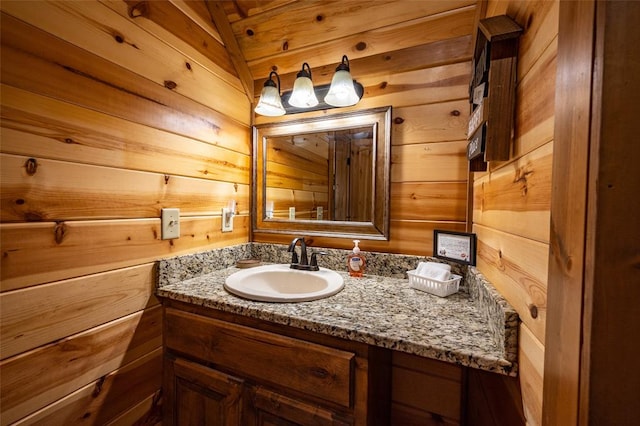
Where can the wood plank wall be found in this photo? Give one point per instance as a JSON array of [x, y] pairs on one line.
[[511, 205], [430, 111], [106, 119]]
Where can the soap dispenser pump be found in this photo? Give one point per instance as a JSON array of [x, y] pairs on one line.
[[355, 261]]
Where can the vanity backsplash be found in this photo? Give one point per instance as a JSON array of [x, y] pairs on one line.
[[382, 264]]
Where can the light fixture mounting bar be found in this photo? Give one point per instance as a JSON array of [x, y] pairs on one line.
[[321, 92]]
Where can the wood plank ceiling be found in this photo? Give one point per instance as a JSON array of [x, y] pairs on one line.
[[379, 37]]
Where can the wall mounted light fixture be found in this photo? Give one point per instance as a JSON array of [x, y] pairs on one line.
[[342, 92], [303, 95], [270, 103]]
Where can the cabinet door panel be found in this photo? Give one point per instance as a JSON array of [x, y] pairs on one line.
[[196, 406], [204, 396]]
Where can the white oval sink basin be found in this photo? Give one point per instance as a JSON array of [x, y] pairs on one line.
[[279, 283]]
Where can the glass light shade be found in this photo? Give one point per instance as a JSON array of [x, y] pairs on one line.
[[303, 95], [270, 103], [342, 92]]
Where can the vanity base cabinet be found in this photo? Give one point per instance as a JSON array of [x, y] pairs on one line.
[[226, 369]]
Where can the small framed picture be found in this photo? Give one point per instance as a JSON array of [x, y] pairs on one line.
[[455, 246]]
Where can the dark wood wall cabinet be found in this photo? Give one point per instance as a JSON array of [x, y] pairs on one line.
[[492, 91]]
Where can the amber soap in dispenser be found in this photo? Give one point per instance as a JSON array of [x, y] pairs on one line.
[[355, 261]]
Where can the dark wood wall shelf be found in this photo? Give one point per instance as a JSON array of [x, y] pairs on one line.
[[492, 91]]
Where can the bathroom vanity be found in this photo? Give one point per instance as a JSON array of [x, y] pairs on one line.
[[378, 352]]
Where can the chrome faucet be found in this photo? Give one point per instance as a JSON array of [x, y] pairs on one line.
[[303, 263]]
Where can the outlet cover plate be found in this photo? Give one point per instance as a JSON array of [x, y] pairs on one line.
[[170, 224]]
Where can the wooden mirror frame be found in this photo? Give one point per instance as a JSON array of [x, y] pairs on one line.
[[378, 229]]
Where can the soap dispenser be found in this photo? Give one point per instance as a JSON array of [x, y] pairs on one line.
[[355, 261]]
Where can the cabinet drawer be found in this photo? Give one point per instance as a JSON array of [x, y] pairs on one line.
[[282, 361]]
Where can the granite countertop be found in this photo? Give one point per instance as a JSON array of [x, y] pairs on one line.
[[377, 310]]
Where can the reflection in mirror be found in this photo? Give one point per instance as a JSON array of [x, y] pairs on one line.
[[324, 176], [331, 173]]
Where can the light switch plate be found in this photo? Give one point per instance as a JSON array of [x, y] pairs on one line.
[[170, 224], [227, 220]]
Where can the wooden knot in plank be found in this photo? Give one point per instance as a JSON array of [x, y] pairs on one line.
[[320, 372], [170, 84], [521, 176], [59, 232], [98, 388], [32, 216], [138, 10], [398, 120], [31, 166]]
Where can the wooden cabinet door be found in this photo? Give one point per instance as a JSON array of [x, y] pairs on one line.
[[203, 396], [268, 408]]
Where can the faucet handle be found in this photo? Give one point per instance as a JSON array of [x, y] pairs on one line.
[[314, 260]]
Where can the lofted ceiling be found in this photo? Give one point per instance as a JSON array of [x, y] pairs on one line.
[[379, 37]]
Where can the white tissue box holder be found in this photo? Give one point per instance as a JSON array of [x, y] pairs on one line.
[[429, 285]]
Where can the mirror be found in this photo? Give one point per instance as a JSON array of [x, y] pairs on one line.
[[324, 176]]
